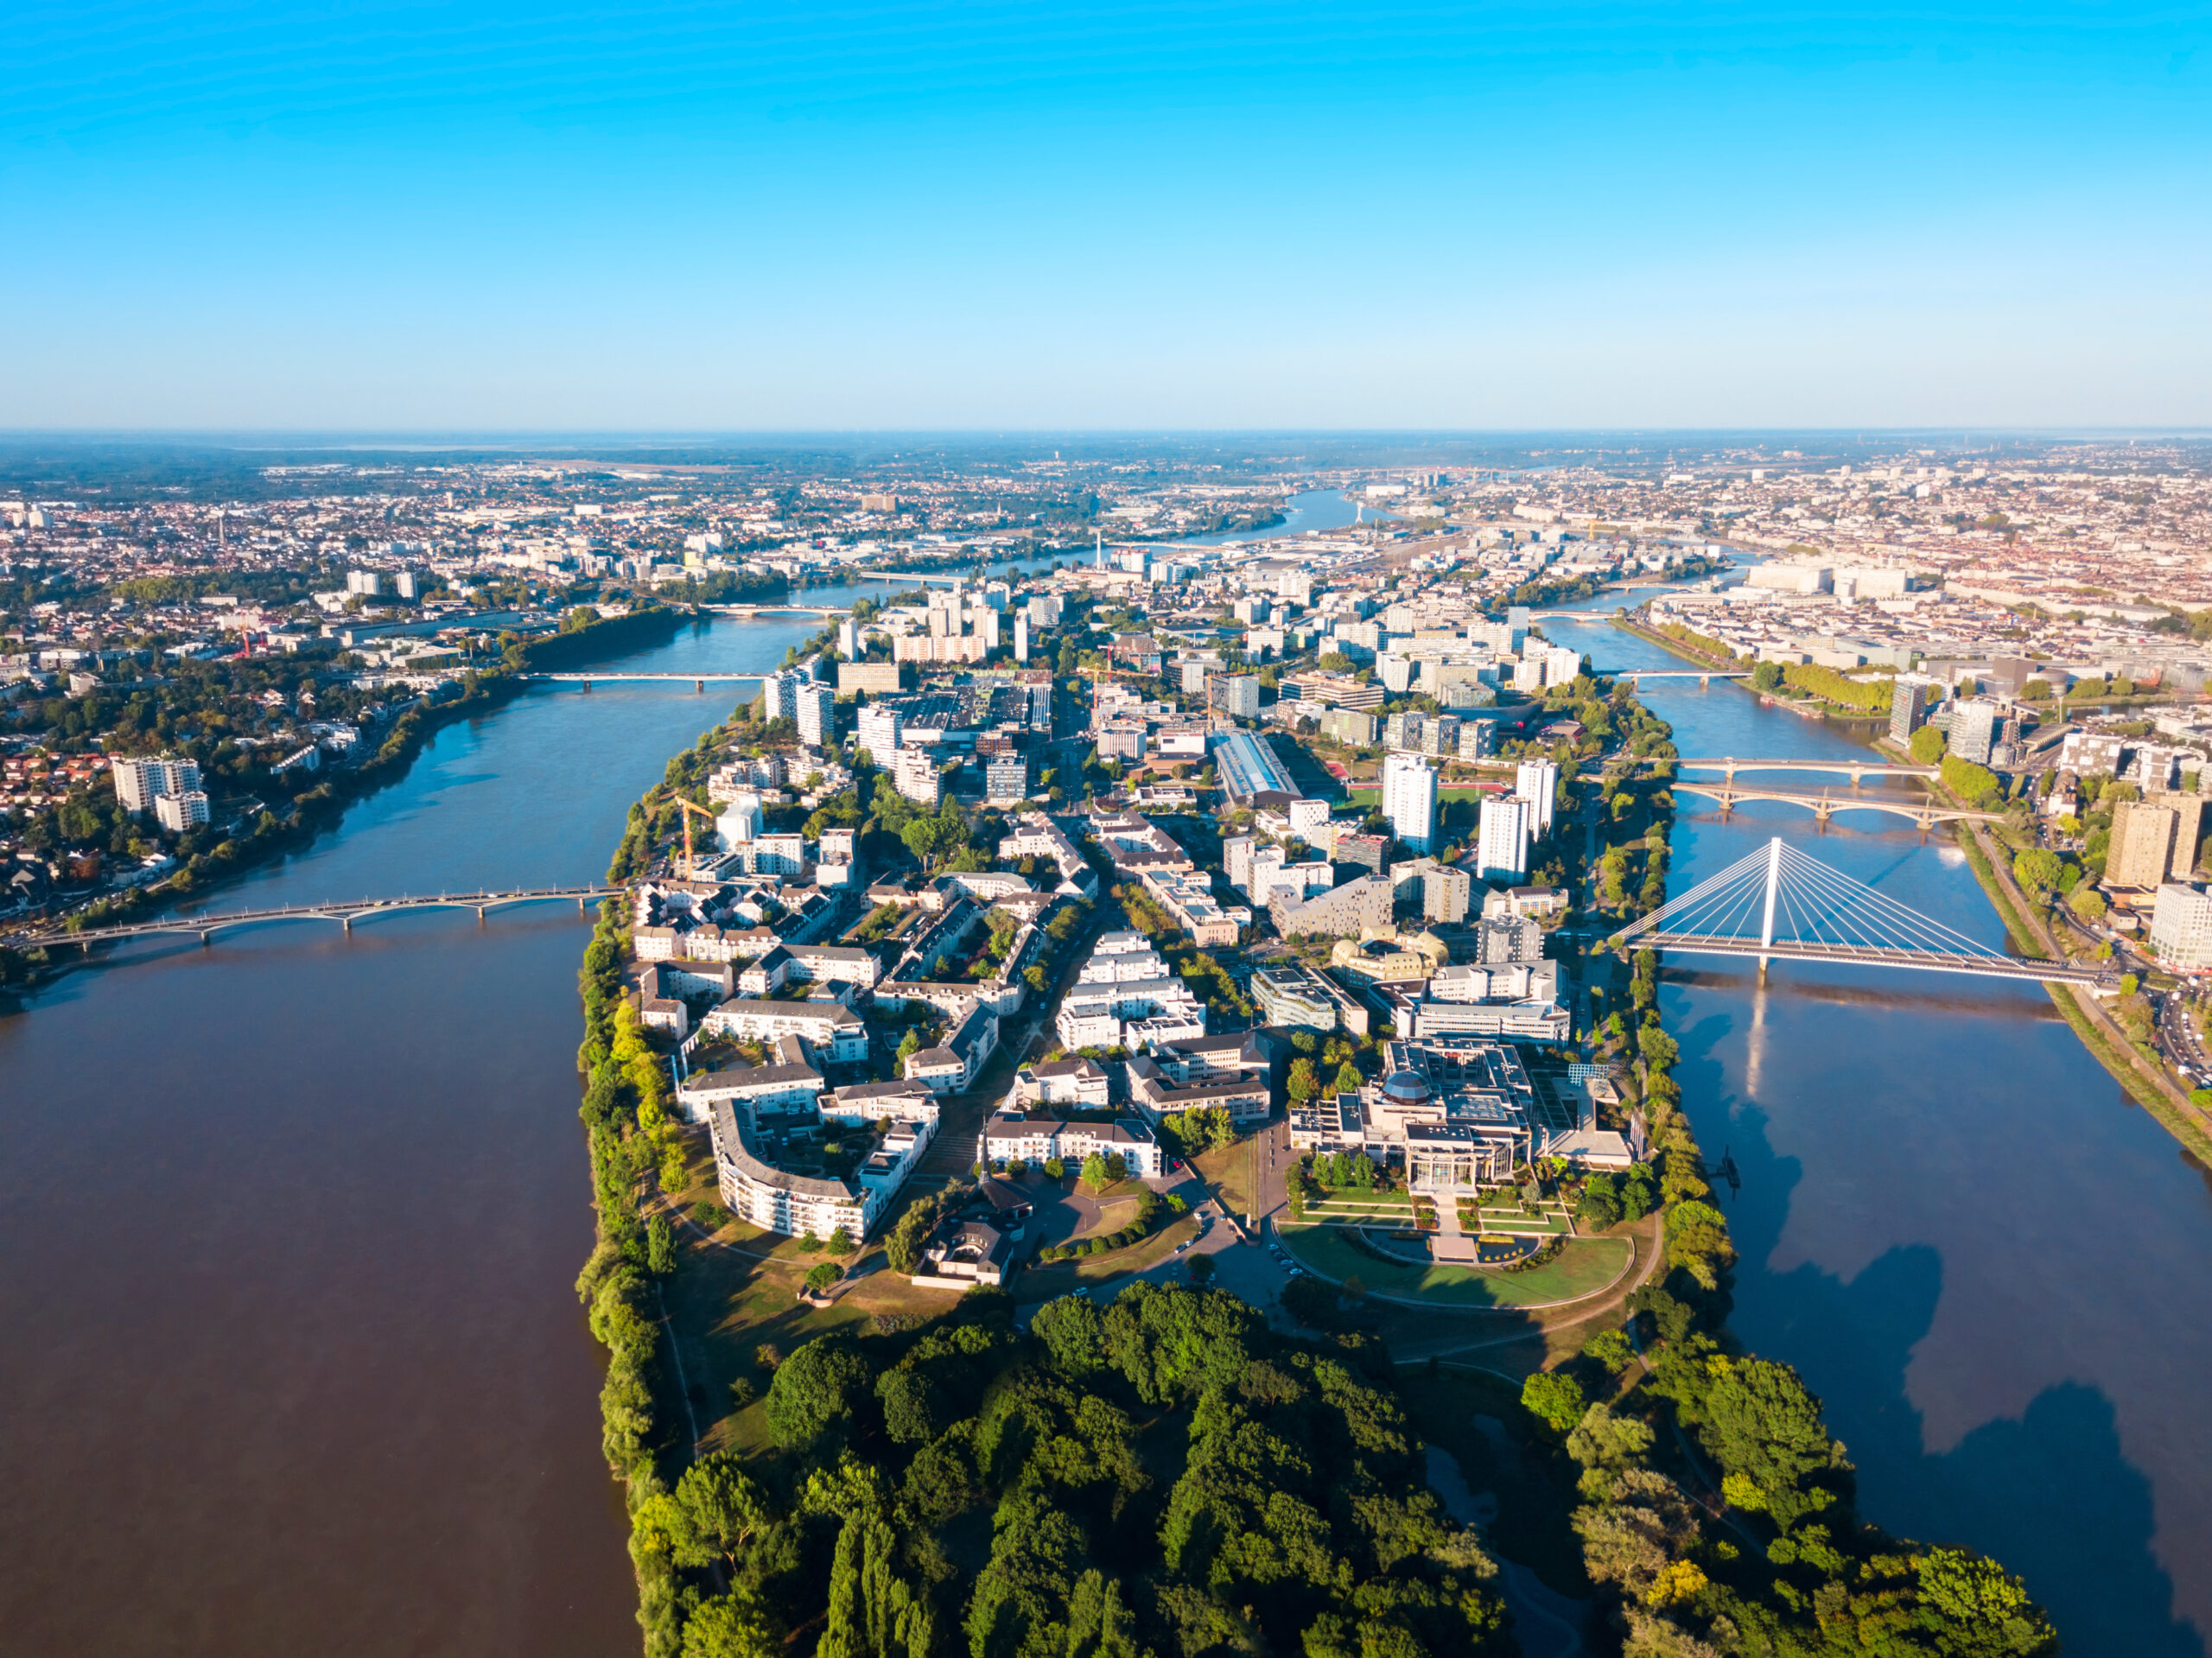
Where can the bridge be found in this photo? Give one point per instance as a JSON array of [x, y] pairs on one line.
[[775, 610], [697, 682], [1777, 903], [1855, 769], [1926, 812], [346, 914], [1703, 676]]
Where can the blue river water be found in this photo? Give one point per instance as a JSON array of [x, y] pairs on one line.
[[1992, 1266]]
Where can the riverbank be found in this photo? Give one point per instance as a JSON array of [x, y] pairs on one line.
[[2146, 1083], [316, 811]]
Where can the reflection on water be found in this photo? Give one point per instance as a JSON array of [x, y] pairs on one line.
[[1991, 1265]]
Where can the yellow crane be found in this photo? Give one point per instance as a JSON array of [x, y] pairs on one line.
[[690, 863]]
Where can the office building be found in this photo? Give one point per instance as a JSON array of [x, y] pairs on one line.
[[1409, 800], [1006, 778], [815, 709], [2181, 926], [1501, 848], [1537, 783], [1908, 709], [139, 783], [1973, 729]]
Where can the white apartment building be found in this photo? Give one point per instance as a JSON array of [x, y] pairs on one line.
[[878, 732], [833, 1031], [1501, 849], [2181, 926], [817, 715], [1537, 783], [914, 774], [1012, 1134], [139, 783], [1409, 800], [179, 812], [740, 823]]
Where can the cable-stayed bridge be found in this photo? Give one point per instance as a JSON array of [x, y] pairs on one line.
[[1777, 903]]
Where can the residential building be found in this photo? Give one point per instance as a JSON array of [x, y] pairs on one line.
[[778, 1088], [1292, 994], [139, 782], [915, 775], [741, 821], [1364, 903], [1409, 800], [1079, 1082], [178, 812], [2142, 847], [1237, 695], [833, 1031], [748, 1143], [956, 1065], [1159, 1092], [1502, 846], [1013, 1134], [815, 708], [1537, 781], [2181, 926], [1445, 892], [1350, 726], [871, 677]]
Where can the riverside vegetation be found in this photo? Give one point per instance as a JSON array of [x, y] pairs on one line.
[[1166, 1477], [1715, 1515]]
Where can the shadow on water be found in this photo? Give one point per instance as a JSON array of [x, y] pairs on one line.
[[2050, 1494]]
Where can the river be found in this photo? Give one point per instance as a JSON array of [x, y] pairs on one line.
[[1992, 1265], [293, 1363]]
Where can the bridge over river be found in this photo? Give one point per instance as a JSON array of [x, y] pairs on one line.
[[345, 913]]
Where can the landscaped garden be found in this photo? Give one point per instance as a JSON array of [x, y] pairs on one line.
[[1584, 1266]]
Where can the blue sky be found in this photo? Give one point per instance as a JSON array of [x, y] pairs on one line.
[[767, 217]]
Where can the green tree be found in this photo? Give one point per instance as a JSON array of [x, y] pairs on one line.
[[1348, 1078], [1767, 676], [1303, 1084], [728, 1626], [1926, 746], [1758, 1420], [2037, 870], [840, 1242], [824, 1278], [814, 1387], [1554, 1398]]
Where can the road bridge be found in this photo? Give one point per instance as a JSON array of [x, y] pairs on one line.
[[345, 913], [775, 610], [1778, 904], [698, 682], [1855, 769], [1703, 676], [1926, 812]]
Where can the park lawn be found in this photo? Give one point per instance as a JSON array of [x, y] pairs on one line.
[[1046, 1280], [1227, 1170], [1586, 1265]]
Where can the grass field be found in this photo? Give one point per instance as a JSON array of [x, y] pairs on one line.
[[1586, 1265]]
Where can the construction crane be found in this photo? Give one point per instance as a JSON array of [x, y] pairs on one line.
[[691, 863]]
